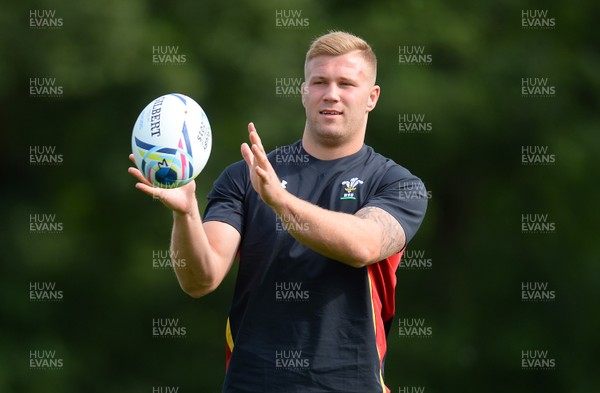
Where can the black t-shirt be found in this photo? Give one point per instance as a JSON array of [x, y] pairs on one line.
[[299, 321]]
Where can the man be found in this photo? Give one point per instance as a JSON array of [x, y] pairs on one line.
[[319, 227]]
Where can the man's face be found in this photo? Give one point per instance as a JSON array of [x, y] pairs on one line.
[[338, 94]]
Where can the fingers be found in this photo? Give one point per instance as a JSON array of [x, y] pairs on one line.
[[149, 190], [258, 150], [260, 157], [251, 160], [138, 175], [133, 171], [254, 138], [168, 197], [143, 184], [247, 154]]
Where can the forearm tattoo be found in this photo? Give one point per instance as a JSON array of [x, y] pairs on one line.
[[392, 232]]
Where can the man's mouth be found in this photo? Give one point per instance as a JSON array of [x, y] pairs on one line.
[[330, 112]]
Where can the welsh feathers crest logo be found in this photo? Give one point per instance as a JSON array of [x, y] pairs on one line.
[[350, 187]]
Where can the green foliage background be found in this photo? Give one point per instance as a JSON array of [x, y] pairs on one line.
[[471, 162]]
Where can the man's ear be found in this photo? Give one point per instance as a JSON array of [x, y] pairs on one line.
[[373, 97]]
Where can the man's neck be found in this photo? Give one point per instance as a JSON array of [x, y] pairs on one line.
[[323, 151]]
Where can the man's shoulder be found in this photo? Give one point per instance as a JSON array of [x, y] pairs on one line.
[[236, 168], [234, 176], [386, 166]]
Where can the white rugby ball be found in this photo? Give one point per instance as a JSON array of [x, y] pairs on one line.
[[171, 140]]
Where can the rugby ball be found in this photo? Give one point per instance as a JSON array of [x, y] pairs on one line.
[[171, 140]]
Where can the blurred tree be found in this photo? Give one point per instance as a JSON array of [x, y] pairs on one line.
[[101, 56]]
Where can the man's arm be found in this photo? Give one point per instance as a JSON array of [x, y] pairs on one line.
[[207, 248], [358, 240]]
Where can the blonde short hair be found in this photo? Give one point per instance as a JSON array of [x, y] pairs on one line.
[[337, 43]]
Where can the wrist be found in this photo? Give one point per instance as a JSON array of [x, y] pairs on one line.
[[191, 213], [281, 205]]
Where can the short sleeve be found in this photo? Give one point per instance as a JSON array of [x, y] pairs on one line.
[[404, 196], [226, 199]]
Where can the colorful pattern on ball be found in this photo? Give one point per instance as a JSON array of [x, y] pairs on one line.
[[167, 166]]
